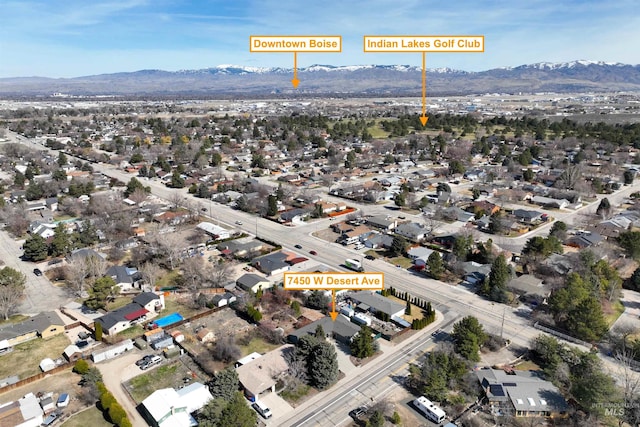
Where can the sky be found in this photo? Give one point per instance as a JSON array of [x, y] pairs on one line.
[[71, 38]]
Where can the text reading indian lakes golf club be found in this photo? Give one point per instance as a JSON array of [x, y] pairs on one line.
[[333, 281], [424, 43], [295, 43]]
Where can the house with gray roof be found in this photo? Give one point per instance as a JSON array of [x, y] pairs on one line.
[[42, 325], [527, 216], [521, 394], [143, 307], [375, 302], [382, 223], [125, 277], [375, 240], [530, 286], [343, 330], [412, 231], [272, 264], [253, 282]]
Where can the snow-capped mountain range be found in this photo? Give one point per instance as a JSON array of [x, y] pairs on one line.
[[355, 80]]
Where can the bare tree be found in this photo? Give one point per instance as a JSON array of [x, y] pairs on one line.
[[220, 272], [176, 199], [150, 272], [96, 267], [17, 221], [139, 196], [167, 244], [226, 349], [12, 289], [70, 206], [194, 274], [76, 273]]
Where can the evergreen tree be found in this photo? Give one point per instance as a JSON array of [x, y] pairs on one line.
[[495, 287], [468, 336], [237, 413], [103, 289], [224, 384], [398, 245], [435, 265], [323, 365], [320, 334], [272, 209], [35, 248], [407, 309], [98, 331], [362, 345], [61, 243]]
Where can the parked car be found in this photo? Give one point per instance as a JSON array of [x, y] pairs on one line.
[[155, 360], [37, 272], [370, 257], [146, 359], [262, 409], [50, 419], [358, 412]]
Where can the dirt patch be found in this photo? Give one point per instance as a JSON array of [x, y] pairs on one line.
[[400, 398], [222, 323]]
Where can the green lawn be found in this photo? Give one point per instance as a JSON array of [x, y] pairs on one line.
[[14, 319], [172, 305], [25, 358], [293, 396], [132, 332], [401, 261], [118, 302], [167, 279], [161, 377], [89, 417], [617, 310], [257, 345]]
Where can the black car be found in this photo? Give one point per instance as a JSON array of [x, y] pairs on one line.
[[371, 257], [297, 246], [37, 272], [358, 412], [146, 359]]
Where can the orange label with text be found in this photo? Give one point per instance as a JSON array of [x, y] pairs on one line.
[[423, 43], [295, 43], [333, 281]]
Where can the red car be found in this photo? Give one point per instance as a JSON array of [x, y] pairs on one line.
[[313, 252]]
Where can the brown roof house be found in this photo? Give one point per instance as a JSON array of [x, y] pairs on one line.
[[261, 374]]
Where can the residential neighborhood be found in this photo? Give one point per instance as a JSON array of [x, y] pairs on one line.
[[155, 249]]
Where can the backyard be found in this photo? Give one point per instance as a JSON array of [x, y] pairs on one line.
[[91, 416], [25, 358], [173, 374]]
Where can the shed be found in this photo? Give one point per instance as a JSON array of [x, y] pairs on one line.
[[63, 400], [163, 342], [47, 364], [47, 404], [206, 335], [72, 353]]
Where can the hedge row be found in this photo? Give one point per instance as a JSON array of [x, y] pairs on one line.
[[112, 408]]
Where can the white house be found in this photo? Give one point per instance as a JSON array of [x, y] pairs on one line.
[[168, 407]]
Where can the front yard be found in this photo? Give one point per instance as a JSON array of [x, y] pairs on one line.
[[173, 374]]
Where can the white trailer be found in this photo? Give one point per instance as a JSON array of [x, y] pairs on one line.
[[431, 411], [113, 351]]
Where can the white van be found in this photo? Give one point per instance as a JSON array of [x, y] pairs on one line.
[[262, 409]]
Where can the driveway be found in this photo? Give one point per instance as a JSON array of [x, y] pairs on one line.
[[114, 373], [40, 294]]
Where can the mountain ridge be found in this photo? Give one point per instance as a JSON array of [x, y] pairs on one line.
[[320, 79]]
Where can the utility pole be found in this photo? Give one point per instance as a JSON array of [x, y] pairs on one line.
[[502, 326]]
